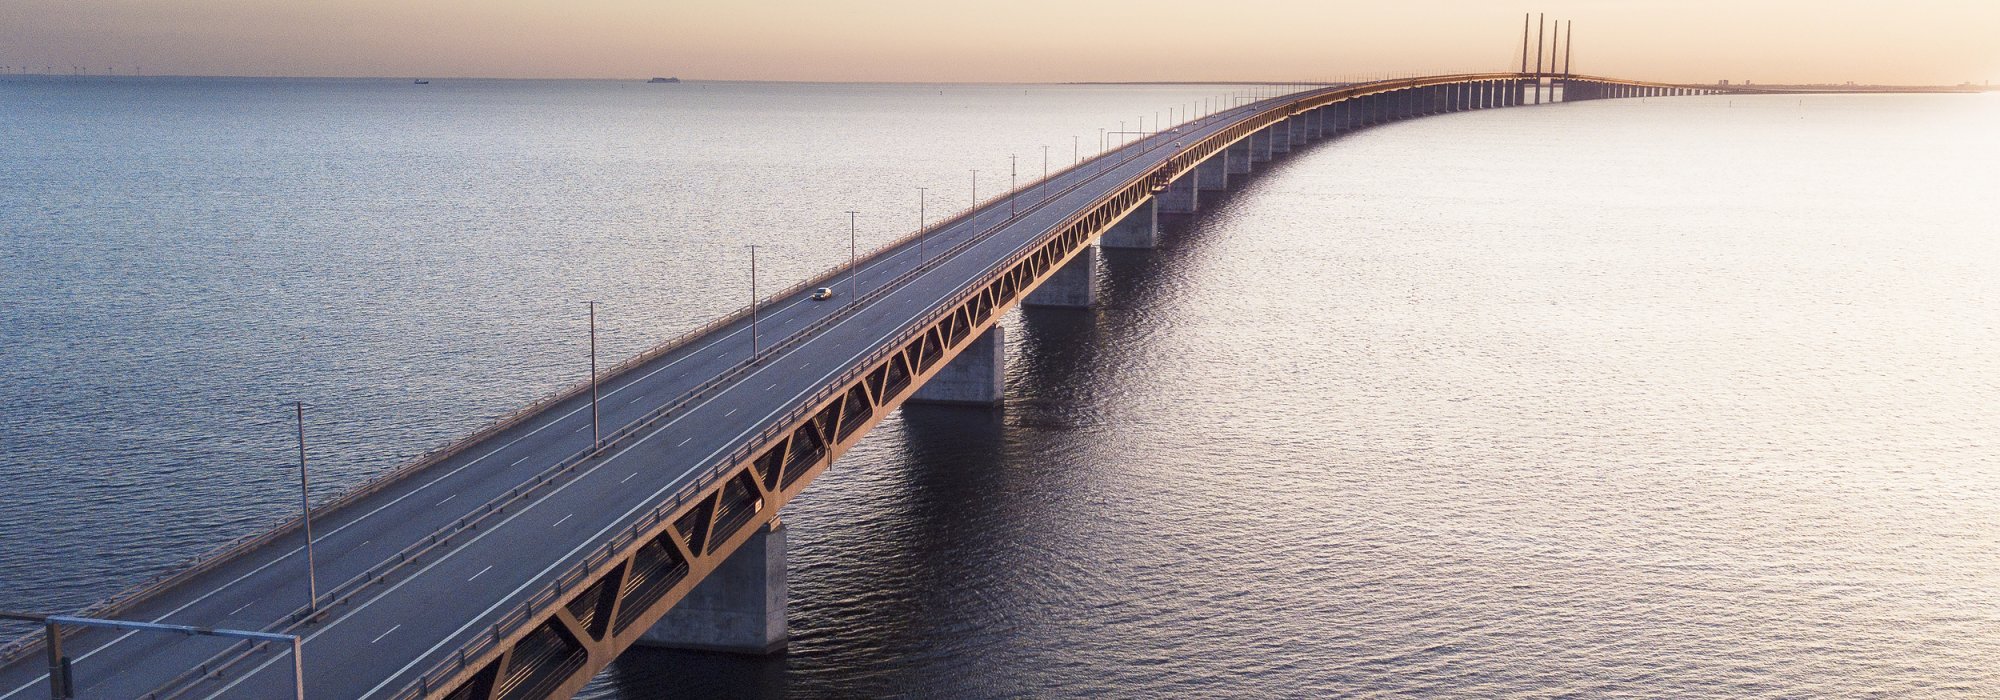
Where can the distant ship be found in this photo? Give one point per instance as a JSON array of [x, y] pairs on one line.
[[421, 81], [664, 80]]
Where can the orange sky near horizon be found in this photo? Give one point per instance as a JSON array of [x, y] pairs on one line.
[[1913, 42]]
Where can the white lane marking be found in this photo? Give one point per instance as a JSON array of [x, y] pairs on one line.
[[518, 462], [563, 520], [330, 625], [629, 478], [684, 441], [730, 413], [385, 634], [447, 499], [489, 567], [245, 605], [773, 385]]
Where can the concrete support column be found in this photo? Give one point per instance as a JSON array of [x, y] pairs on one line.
[[1073, 286], [1213, 174], [1180, 197], [1281, 136], [976, 377], [1260, 145], [1139, 229], [1236, 159], [739, 608]]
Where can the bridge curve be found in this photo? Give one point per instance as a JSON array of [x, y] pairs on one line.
[[519, 561]]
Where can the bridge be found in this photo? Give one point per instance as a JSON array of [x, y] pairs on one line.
[[519, 561]]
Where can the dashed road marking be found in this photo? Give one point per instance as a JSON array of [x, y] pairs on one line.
[[447, 498], [384, 634], [489, 567], [563, 520]]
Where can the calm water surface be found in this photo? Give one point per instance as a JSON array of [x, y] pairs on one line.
[[1681, 397]]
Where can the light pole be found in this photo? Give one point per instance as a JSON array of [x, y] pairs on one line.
[[975, 198], [1075, 150], [1045, 173], [853, 287], [1013, 180], [756, 348], [305, 507], [596, 439], [920, 225]]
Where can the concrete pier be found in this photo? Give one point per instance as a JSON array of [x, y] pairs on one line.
[[1260, 145], [1238, 157], [1213, 174], [1139, 229], [976, 377], [739, 608], [1181, 197], [1074, 286], [1281, 136]]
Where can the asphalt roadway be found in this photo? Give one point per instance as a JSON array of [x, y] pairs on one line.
[[426, 610]]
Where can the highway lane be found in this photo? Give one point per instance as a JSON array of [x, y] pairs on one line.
[[260, 588]]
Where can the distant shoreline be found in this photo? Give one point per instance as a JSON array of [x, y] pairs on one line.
[[1822, 87]]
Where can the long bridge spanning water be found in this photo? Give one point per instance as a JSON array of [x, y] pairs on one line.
[[523, 559]]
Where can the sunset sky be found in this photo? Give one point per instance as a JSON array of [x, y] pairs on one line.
[[1917, 41]]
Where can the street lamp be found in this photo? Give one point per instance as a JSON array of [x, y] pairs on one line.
[[756, 348], [1013, 178], [853, 287], [305, 507], [1045, 173], [920, 225], [975, 199], [596, 439]]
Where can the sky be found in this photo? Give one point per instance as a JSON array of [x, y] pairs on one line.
[[1767, 41]]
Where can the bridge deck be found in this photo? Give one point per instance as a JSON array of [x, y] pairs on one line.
[[394, 629], [405, 598]]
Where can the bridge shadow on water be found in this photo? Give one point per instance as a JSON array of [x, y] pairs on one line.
[[932, 540]]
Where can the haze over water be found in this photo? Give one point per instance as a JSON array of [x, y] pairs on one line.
[[1688, 396]]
